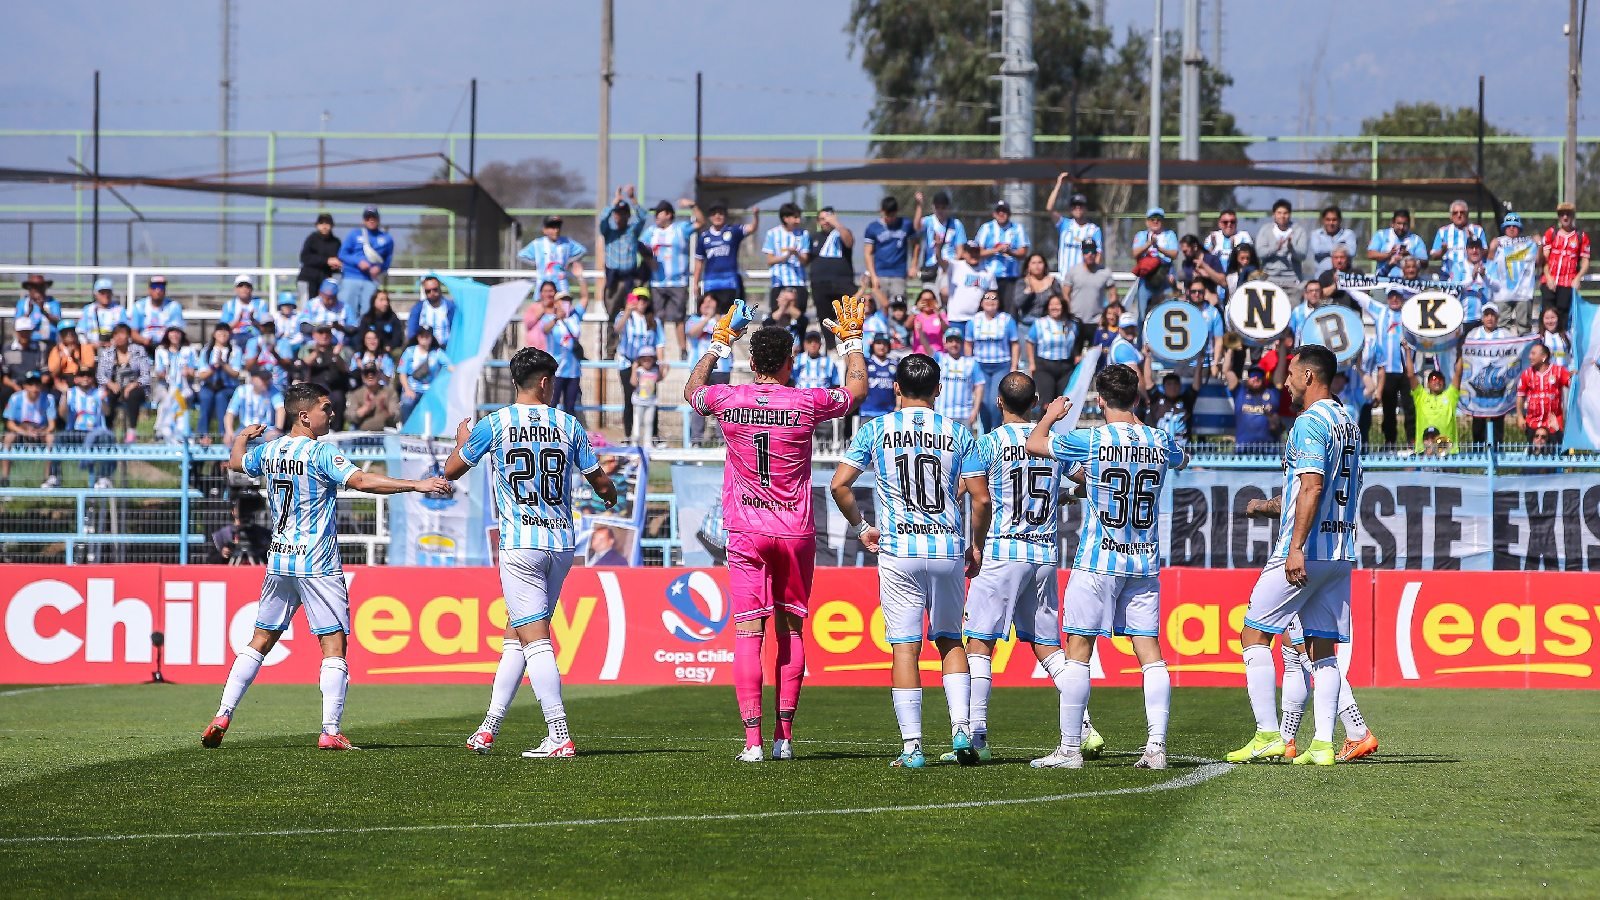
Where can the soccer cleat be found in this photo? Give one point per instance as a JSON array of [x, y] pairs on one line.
[[1093, 743], [335, 742], [51, 482], [961, 745], [1353, 750], [1290, 751], [482, 742], [1155, 757], [102, 484], [211, 738], [550, 748], [1265, 745], [782, 749], [1060, 758], [912, 760], [1320, 754]]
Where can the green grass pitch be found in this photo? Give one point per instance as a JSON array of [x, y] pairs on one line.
[[1474, 793]]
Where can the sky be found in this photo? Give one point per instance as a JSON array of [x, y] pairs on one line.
[[770, 67]]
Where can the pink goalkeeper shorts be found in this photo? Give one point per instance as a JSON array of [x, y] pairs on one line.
[[766, 573]]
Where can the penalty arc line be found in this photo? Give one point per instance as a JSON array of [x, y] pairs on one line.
[[1207, 771]]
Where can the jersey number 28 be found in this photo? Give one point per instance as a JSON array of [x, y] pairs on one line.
[[551, 473]]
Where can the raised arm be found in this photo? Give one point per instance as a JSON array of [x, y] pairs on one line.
[[1411, 372], [240, 440], [1039, 439], [850, 315], [1055, 193], [373, 483], [722, 341], [603, 486]]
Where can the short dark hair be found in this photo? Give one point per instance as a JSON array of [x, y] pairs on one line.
[[770, 348], [528, 364], [1333, 209], [1227, 211], [1400, 212], [788, 209], [917, 376], [717, 208], [1319, 360], [324, 217], [1189, 240], [941, 199], [1282, 203], [1017, 393], [1118, 386], [301, 397], [890, 205]]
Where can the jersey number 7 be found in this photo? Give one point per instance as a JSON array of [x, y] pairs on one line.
[[283, 489]]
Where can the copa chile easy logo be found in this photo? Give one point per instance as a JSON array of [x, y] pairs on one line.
[[697, 612]]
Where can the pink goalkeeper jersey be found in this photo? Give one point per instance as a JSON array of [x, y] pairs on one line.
[[766, 486]]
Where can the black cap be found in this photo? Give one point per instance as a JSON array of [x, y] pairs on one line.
[[552, 221], [33, 377], [1431, 432], [1078, 200], [1255, 372], [813, 336], [1091, 247], [370, 212], [1002, 206], [623, 208], [663, 206]]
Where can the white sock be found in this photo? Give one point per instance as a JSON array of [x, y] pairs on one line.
[[908, 712], [1157, 699], [546, 681], [335, 681], [1296, 688], [1074, 700], [1325, 680], [1261, 681], [958, 697], [982, 672], [1355, 727], [1088, 726], [507, 678], [245, 667]]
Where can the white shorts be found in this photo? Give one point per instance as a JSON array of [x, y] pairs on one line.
[[1323, 604], [1121, 605], [908, 587], [1009, 592], [1295, 634], [325, 598], [531, 581]]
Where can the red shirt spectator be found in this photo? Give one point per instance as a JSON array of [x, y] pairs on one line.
[[1563, 250], [1541, 393], [1271, 362]]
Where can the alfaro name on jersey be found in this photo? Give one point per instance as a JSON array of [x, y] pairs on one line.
[[533, 448]]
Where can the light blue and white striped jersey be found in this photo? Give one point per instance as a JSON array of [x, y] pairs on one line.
[[1384, 241], [957, 380], [152, 321], [991, 234], [992, 337], [955, 234], [1513, 262], [23, 411], [421, 367], [96, 321], [1125, 352], [251, 408], [1324, 440], [303, 477], [169, 364], [1052, 339], [1222, 244], [1453, 241], [1126, 467], [790, 272], [319, 313], [242, 316], [1387, 336], [436, 318], [565, 335], [918, 458], [86, 410], [815, 371], [1069, 243], [1024, 490], [700, 346], [552, 259], [669, 247], [635, 335], [534, 450]]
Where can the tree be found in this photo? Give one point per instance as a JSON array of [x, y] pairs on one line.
[[535, 183]]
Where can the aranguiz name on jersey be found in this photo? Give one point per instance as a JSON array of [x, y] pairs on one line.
[[533, 434], [918, 440], [1149, 455]]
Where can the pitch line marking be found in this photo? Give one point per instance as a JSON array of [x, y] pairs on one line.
[[1208, 770], [50, 687]]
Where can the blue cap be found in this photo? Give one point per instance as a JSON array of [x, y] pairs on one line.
[[1155, 212], [103, 284], [329, 286], [288, 298], [1510, 220]]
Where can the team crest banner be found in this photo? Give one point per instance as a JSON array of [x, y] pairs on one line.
[[1491, 370]]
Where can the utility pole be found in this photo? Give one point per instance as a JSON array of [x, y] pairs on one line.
[[472, 176], [96, 256], [607, 75], [322, 151], [1216, 34], [1153, 188], [1189, 116], [1017, 71], [1574, 31], [224, 151]]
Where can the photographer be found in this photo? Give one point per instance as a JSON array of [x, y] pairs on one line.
[[244, 543]]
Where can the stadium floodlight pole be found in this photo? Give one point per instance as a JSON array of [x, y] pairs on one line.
[[1189, 120], [1569, 154], [1153, 188], [472, 176], [607, 75], [1481, 210], [1017, 70]]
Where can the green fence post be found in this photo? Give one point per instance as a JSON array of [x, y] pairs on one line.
[[183, 506], [272, 172]]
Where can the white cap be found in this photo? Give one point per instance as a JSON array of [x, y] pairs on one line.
[[1128, 320], [243, 278]]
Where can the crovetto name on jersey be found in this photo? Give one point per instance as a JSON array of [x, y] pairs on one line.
[[921, 440], [1013, 453], [533, 434], [274, 465], [1134, 453], [788, 418]]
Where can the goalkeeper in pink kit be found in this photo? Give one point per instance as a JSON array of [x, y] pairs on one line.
[[766, 499]]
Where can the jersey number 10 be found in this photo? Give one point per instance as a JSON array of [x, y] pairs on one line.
[[921, 482]]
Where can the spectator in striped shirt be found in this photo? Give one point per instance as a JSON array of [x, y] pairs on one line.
[[991, 337], [1450, 243], [38, 307], [1052, 349], [620, 231], [1565, 253], [1514, 260], [1072, 229], [1324, 240], [960, 381], [939, 235], [701, 329], [1391, 246], [666, 248], [813, 368], [152, 316], [1557, 341], [788, 249], [255, 404], [101, 315], [83, 409], [420, 364], [1540, 398], [243, 309], [558, 258], [1227, 236], [435, 313], [30, 419], [1154, 249], [1384, 354], [1003, 245], [638, 331]]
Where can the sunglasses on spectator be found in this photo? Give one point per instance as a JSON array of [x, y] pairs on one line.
[[1226, 221], [1197, 292]]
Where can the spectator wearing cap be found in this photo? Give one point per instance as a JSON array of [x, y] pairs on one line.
[[716, 256], [218, 368], [254, 403], [23, 354], [1325, 240], [286, 320], [101, 315], [890, 244], [1476, 285], [323, 363], [833, 271], [436, 312], [562, 329], [1227, 236], [939, 235], [1436, 402], [1383, 355], [367, 254], [1154, 249], [556, 257], [1390, 246], [372, 406], [153, 315], [1450, 243], [1541, 397], [665, 245], [30, 419], [123, 371], [1125, 346], [1090, 288], [994, 343], [243, 309], [880, 399], [326, 309], [638, 330], [960, 380], [1565, 255], [812, 367], [1003, 245], [1071, 229], [83, 410], [38, 307], [69, 356], [969, 279], [787, 249], [1256, 423], [1513, 264], [1283, 247], [319, 258], [620, 231]]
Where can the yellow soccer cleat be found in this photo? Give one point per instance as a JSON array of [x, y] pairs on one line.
[[1266, 745], [1320, 754]]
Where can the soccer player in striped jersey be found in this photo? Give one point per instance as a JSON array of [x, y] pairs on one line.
[[1114, 589], [1308, 574], [532, 448], [303, 477], [766, 500], [921, 463]]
